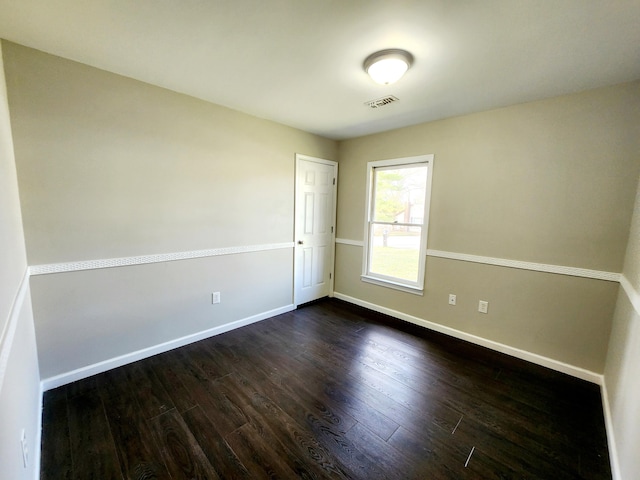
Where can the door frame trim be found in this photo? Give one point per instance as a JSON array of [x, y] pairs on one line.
[[334, 164]]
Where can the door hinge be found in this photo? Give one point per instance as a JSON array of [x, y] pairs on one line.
[[331, 229], [334, 181], [329, 275]]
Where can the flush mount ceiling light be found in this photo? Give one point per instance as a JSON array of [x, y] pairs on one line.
[[388, 66]]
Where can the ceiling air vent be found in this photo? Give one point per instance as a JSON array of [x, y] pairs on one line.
[[381, 102]]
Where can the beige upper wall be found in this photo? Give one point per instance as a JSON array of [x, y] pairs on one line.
[[112, 167], [12, 251], [551, 181]]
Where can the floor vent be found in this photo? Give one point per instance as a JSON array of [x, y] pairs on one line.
[[381, 102]]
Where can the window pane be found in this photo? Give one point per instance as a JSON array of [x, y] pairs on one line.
[[399, 194], [395, 251]]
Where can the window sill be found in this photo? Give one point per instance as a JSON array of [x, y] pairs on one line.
[[394, 285]]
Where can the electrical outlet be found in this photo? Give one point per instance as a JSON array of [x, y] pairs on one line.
[[25, 449], [452, 299], [483, 306], [215, 298]]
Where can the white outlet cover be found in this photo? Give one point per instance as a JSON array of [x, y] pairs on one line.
[[483, 306], [25, 449]]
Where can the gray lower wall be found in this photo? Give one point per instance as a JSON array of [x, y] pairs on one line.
[[94, 316], [562, 318]]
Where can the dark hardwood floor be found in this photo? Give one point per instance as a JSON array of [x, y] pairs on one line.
[[327, 391]]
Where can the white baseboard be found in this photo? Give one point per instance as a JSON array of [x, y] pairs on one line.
[[100, 367], [499, 347], [611, 440], [37, 455]]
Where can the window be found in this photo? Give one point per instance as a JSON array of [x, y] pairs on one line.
[[398, 195]]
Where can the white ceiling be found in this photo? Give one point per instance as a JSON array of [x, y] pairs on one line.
[[299, 62]]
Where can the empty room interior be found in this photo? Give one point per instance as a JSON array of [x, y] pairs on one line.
[[229, 251]]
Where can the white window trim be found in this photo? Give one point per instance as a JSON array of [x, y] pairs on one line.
[[416, 288]]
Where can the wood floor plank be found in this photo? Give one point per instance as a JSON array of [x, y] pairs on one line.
[[303, 375], [391, 460], [87, 385], [164, 367], [93, 452], [351, 455], [214, 366], [220, 454], [381, 398], [429, 453], [180, 450], [226, 415], [315, 387], [282, 383], [497, 453], [329, 434], [284, 432], [258, 457], [139, 458], [421, 381], [151, 395]]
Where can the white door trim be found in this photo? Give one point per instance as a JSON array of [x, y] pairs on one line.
[[300, 157]]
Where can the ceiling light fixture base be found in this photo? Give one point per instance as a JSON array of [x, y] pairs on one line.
[[388, 66]]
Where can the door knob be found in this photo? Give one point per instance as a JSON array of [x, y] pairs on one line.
[[300, 242]]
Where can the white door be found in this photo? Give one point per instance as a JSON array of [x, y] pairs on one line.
[[315, 213]]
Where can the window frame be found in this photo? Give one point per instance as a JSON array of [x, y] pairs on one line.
[[417, 287]]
